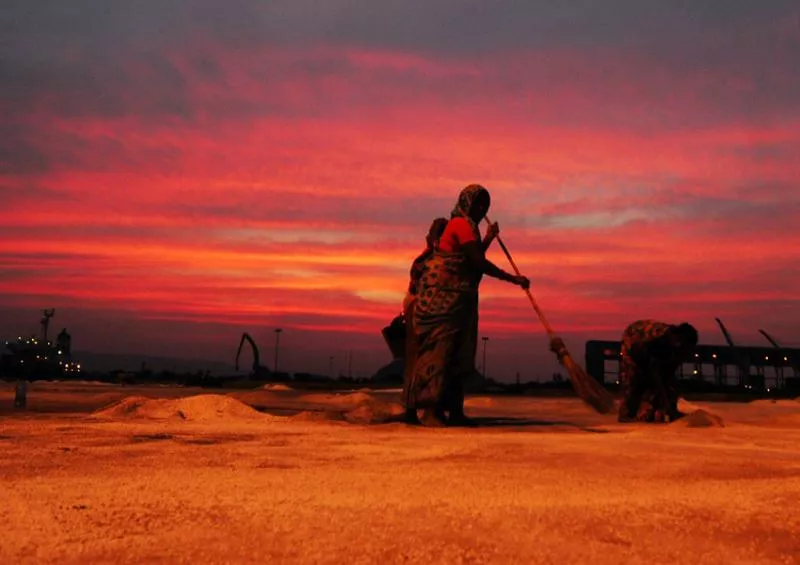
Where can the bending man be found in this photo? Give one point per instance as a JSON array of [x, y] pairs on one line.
[[651, 354]]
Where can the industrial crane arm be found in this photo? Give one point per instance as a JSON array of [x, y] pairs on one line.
[[725, 332], [769, 338], [256, 363]]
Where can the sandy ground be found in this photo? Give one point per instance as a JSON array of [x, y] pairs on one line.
[[209, 480]]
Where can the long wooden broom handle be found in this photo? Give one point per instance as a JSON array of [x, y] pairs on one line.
[[546, 325]]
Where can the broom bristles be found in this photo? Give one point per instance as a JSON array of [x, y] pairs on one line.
[[587, 388]]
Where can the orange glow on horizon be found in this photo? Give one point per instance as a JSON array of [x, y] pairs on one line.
[[293, 187]]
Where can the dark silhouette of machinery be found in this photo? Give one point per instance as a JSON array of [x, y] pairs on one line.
[[742, 363], [258, 369], [782, 360], [769, 339], [258, 372], [37, 358], [46, 321], [64, 343], [395, 337]]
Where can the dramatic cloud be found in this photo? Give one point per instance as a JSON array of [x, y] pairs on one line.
[[183, 171]]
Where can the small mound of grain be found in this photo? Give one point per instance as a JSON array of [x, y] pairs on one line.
[[356, 408], [276, 387], [130, 405], [702, 419], [316, 398], [336, 401], [353, 399], [374, 411], [203, 407]]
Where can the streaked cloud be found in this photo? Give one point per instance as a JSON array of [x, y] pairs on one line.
[[264, 164]]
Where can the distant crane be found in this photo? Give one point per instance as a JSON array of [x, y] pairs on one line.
[[742, 364], [259, 371], [769, 339], [725, 332]]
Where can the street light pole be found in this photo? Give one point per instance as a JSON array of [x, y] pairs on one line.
[[350, 366], [277, 345], [485, 339]]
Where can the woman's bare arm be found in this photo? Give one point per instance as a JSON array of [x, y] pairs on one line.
[[477, 258]]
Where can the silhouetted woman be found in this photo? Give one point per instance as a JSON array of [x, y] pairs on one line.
[[417, 268], [446, 311]]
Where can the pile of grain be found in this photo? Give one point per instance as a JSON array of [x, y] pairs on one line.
[[697, 416], [276, 387], [374, 411], [702, 419], [356, 408], [203, 407]]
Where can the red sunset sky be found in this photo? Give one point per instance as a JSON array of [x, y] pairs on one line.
[[173, 173]]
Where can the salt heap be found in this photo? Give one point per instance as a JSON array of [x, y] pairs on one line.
[[203, 407]]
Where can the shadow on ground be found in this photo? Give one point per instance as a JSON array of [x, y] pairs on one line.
[[505, 422]]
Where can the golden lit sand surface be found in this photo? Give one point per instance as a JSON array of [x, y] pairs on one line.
[[209, 480]]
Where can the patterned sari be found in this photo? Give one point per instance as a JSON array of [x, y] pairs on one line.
[[409, 304], [445, 323]]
